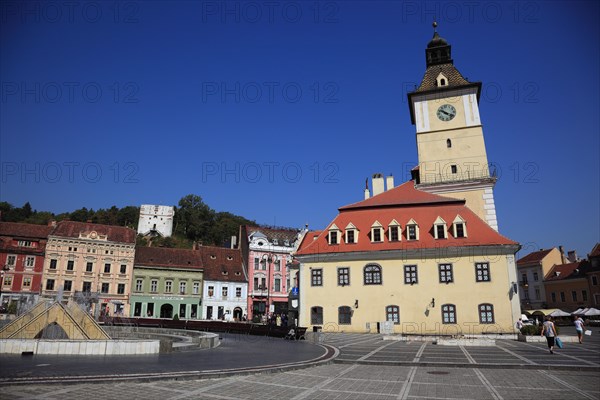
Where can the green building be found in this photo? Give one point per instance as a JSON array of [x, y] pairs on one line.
[[167, 282]]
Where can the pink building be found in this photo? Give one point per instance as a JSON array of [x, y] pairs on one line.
[[269, 280]]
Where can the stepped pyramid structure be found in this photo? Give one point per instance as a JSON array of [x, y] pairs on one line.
[[53, 320]]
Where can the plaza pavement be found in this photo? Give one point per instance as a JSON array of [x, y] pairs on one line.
[[366, 367]]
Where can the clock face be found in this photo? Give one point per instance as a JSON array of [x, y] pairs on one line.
[[446, 112]]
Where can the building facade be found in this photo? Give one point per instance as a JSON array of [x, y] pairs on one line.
[[22, 251], [566, 286], [532, 269], [593, 275], [156, 220], [90, 263], [406, 259], [269, 279], [225, 284], [167, 282]]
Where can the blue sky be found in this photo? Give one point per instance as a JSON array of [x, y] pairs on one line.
[[278, 111]]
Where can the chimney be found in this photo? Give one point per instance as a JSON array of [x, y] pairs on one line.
[[563, 259], [389, 182], [377, 184], [367, 194], [52, 223], [572, 256]]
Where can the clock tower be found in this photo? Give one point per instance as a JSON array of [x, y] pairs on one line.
[[451, 150]]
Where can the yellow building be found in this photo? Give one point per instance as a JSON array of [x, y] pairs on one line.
[[409, 260], [531, 270], [425, 262], [451, 149], [90, 262]]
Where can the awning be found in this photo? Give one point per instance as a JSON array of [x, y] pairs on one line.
[[591, 312], [554, 312]]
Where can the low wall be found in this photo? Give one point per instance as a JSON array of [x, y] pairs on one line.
[[170, 339], [79, 347]]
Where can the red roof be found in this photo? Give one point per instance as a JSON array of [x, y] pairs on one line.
[[403, 195], [72, 229], [23, 230], [534, 258], [595, 251], [222, 264], [567, 271], [403, 204], [167, 257]]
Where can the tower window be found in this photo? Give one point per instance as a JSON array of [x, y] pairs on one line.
[[453, 168], [448, 143]]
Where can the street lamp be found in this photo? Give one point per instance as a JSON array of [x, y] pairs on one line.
[[269, 258]]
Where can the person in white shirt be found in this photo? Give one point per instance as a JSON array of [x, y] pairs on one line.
[[579, 327]]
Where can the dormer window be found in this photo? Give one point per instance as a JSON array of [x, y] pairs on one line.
[[351, 233], [441, 80], [412, 230], [459, 227], [334, 235], [376, 232], [275, 242], [394, 231], [439, 228]]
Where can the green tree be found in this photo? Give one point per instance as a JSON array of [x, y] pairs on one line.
[[128, 216], [194, 218]]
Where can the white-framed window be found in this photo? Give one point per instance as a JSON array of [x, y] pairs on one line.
[[376, 232], [394, 230], [154, 285], [333, 237], [256, 263], [11, 260], [8, 280], [412, 230], [25, 243], [26, 282], [211, 291], [459, 227], [182, 287], [238, 292], [29, 261], [224, 292], [351, 233], [138, 285], [196, 288], [277, 284], [439, 228], [168, 286]]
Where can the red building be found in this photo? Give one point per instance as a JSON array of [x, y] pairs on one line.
[[22, 251]]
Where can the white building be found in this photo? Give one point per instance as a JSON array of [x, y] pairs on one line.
[[156, 220], [225, 284]]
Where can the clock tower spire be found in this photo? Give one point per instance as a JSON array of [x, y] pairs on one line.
[[450, 143]]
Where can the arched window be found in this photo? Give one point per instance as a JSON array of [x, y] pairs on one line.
[[486, 314], [392, 313], [316, 315], [344, 315], [448, 314], [448, 143], [372, 274]]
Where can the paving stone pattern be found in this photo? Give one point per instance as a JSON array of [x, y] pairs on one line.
[[371, 368]]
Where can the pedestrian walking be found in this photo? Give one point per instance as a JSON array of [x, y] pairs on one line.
[[519, 324], [579, 327], [549, 331]]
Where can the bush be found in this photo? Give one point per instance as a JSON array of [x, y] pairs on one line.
[[530, 330], [176, 317]]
